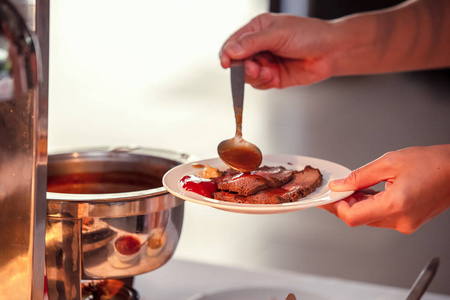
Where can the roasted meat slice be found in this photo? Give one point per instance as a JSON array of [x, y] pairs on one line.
[[246, 184], [303, 183], [275, 176], [262, 197]]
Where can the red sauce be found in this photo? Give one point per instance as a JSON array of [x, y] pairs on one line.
[[201, 186], [276, 191], [128, 245], [241, 158]]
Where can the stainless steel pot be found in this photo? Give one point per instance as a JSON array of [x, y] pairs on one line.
[[96, 200]]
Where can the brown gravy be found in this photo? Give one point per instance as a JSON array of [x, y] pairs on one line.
[[101, 183], [242, 158]]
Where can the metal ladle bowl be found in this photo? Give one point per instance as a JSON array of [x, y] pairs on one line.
[[236, 152]]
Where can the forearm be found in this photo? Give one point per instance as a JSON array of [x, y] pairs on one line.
[[412, 36]]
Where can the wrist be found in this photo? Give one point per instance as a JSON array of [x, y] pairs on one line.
[[353, 45]]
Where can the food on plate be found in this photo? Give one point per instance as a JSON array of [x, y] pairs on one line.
[[300, 185], [210, 172], [265, 185], [246, 184], [199, 185]]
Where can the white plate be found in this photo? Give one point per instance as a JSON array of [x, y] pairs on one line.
[[254, 294], [321, 196]]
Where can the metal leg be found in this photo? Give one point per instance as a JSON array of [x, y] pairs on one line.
[[63, 258]]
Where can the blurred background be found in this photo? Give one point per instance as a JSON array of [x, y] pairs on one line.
[[147, 73]]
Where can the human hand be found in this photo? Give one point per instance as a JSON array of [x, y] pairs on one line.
[[417, 189], [282, 50]]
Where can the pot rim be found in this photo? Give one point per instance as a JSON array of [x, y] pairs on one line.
[[109, 197], [110, 153]]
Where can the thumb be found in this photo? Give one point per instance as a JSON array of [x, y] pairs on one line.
[[364, 177], [251, 43]]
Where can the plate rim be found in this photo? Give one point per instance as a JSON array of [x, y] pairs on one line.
[[260, 208]]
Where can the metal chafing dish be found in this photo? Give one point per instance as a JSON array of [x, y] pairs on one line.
[[97, 196], [80, 230]]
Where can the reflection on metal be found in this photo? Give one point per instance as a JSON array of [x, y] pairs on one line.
[[23, 152], [65, 236], [129, 201]]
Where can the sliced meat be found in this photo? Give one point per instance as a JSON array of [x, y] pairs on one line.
[[305, 182], [258, 198], [275, 176], [302, 184], [246, 184], [243, 184]]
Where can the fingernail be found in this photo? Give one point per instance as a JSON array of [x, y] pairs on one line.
[[339, 181], [223, 61]]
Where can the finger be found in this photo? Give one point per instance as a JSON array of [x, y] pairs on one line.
[[369, 191], [252, 69], [224, 55], [224, 60], [250, 43], [369, 209], [249, 27], [403, 226], [266, 79], [268, 71], [332, 207], [350, 200], [361, 209], [374, 172], [384, 223]]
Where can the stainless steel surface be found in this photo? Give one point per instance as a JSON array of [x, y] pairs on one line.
[[237, 76], [237, 83], [423, 280], [23, 150], [82, 228]]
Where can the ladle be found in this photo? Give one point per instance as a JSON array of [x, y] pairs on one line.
[[236, 152], [420, 285], [423, 280]]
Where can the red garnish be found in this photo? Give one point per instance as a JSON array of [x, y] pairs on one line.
[[199, 185], [128, 245]]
